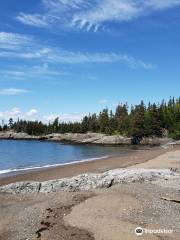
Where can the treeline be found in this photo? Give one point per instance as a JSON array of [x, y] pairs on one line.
[[153, 120]]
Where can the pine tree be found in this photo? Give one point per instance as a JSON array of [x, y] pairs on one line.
[[121, 117], [137, 123], [10, 122], [104, 121]]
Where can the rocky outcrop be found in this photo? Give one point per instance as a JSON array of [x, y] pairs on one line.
[[156, 141], [86, 138], [78, 138], [90, 181], [95, 138], [14, 135]]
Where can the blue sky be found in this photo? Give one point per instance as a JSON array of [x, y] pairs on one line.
[[67, 58]]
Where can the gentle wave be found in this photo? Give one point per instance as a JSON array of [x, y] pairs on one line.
[[48, 166]]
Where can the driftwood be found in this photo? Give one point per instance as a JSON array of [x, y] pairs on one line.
[[171, 199]]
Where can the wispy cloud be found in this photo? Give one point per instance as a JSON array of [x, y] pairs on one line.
[[14, 41], [92, 15], [13, 91], [12, 73], [57, 55], [118, 11], [29, 72], [35, 20]]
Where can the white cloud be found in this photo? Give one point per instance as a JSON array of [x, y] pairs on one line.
[[29, 48], [16, 113], [36, 72], [35, 20], [103, 101], [66, 57], [31, 112], [13, 73], [14, 41], [92, 15], [119, 10], [12, 113], [12, 91]]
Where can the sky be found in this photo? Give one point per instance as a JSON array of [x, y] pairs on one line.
[[68, 58]]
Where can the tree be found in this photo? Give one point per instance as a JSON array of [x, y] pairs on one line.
[[56, 124], [10, 122], [104, 121], [141, 121], [137, 123], [121, 118], [85, 124], [154, 122]]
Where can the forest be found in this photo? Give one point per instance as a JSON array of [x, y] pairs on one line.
[[137, 121]]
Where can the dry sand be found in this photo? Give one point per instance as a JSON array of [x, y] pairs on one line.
[[166, 160], [106, 214], [40, 216], [115, 213]]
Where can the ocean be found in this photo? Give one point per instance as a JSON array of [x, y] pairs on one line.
[[23, 155]]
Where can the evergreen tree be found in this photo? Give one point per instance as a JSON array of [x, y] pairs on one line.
[[10, 122], [104, 121], [138, 123], [121, 117], [155, 120]]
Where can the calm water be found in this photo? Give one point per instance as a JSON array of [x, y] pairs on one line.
[[21, 155]]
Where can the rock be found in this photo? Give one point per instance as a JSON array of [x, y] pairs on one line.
[[21, 187], [85, 138], [14, 135], [91, 181], [155, 141], [177, 142], [116, 139]]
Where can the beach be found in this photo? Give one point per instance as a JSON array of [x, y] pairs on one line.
[[116, 211], [100, 165]]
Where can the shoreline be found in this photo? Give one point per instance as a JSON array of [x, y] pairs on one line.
[[85, 138], [4, 173], [94, 166], [118, 200]]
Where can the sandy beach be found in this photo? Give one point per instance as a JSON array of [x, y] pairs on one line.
[[101, 165], [102, 214]]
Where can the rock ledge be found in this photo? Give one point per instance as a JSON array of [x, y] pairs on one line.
[[90, 181]]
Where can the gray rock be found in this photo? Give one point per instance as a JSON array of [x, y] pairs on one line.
[[85, 138], [21, 187], [156, 141], [96, 138], [91, 181], [14, 135]]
